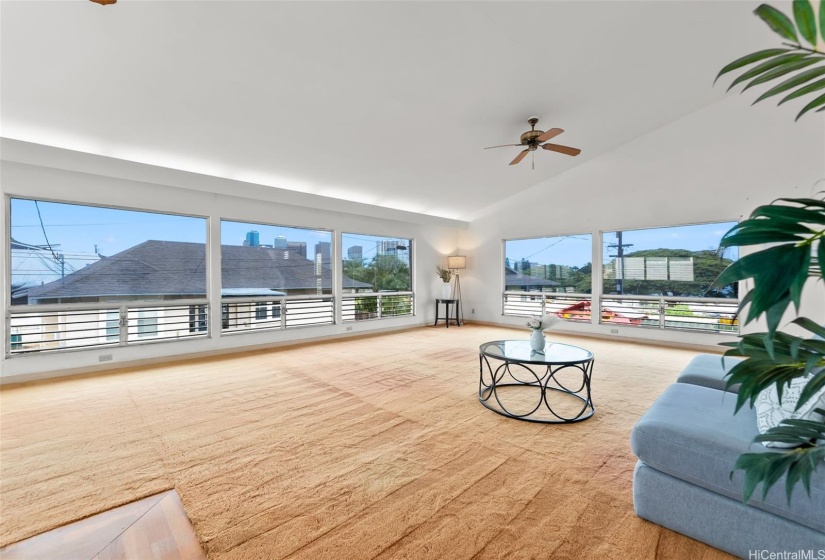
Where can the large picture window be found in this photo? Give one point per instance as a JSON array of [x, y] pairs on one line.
[[379, 270], [664, 277], [78, 271], [548, 275], [679, 261], [548, 264], [267, 268]]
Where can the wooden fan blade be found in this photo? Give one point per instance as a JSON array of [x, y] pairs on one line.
[[552, 133], [519, 157], [567, 150], [502, 146]]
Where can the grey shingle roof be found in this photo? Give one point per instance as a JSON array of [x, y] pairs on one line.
[[513, 278], [165, 268]]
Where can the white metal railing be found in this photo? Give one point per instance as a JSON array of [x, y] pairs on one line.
[[43, 328], [671, 312], [664, 312], [376, 305], [563, 305], [262, 313]]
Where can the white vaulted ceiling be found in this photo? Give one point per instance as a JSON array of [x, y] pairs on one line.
[[387, 103]]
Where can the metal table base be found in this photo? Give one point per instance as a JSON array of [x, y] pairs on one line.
[[539, 373]]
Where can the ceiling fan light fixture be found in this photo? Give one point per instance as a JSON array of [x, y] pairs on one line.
[[534, 139], [104, 2]]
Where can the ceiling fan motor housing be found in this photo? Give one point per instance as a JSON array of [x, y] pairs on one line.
[[529, 137]]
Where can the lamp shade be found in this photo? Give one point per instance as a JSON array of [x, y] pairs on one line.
[[457, 262]]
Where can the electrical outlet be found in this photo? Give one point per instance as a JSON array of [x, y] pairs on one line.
[[104, 358], [614, 331], [349, 329]]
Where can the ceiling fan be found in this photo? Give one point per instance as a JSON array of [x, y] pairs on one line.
[[534, 139]]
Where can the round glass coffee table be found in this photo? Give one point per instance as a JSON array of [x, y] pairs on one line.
[[552, 388]]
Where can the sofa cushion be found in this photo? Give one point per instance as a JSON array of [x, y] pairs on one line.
[[708, 370], [691, 433], [718, 520]]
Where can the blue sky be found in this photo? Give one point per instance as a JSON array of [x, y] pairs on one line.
[[76, 230], [576, 250]]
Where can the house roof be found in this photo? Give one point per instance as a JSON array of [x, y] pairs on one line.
[[166, 268], [616, 308], [513, 278]]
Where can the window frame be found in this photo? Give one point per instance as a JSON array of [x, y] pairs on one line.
[[57, 308], [602, 233], [412, 250], [503, 256]]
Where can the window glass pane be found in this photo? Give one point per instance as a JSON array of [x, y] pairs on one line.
[[112, 326], [197, 318], [375, 264], [69, 253], [260, 311], [549, 264], [266, 260], [678, 261], [147, 323]]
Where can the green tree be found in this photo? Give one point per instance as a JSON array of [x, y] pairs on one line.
[[707, 266]]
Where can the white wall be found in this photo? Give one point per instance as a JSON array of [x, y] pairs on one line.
[[433, 239], [713, 165]]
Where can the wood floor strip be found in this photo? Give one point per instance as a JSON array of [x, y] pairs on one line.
[[154, 528]]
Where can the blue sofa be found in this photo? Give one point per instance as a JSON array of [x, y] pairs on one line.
[[687, 443]]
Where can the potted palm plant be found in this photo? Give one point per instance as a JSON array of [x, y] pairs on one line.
[[446, 275], [794, 231]]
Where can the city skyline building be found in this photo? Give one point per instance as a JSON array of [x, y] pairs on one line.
[[252, 239], [324, 249], [355, 253]]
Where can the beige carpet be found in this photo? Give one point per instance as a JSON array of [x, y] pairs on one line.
[[371, 447]]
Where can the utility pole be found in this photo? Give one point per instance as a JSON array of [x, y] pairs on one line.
[[620, 260]]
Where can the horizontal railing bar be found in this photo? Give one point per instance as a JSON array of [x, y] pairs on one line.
[[33, 338], [678, 299], [103, 305], [83, 348], [548, 294], [66, 314], [276, 299], [375, 294], [72, 323], [135, 337], [163, 319]]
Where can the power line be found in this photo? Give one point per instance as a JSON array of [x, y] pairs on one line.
[[528, 257], [43, 228]]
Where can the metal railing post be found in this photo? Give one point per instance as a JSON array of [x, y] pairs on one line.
[[123, 325], [661, 312]]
